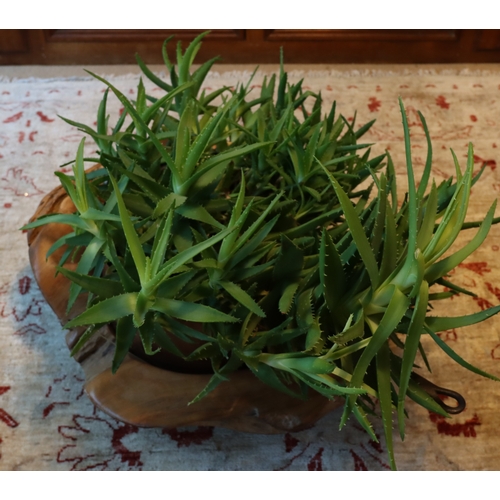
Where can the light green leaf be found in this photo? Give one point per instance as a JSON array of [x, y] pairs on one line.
[[142, 306], [428, 162], [87, 335], [85, 265], [242, 297], [131, 234], [139, 120], [287, 296], [183, 257], [390, 251], [92, 214], [69, 187], [185, 62], [443, 267], [440, 324], [101, 287], [155, 79], [357, 231], [256, 225], [200, 143], [352, 332], [339, 353], [72, 220], [331, 272], [70, 239], [412, 192], [385, 397], [395, 311], [410, 349], [160, 244], [190, 311], [212, 162], [307, 321], [165, 101], [360, 415], [448, 350], [147, 333], [453, 219], [251, 246], [171, 287], [199, 213], [426, 229], [81, 200], [220, 375], [214, 381], [106, 311], [183, 139], [165, 203], [227, 245], [205, 351]]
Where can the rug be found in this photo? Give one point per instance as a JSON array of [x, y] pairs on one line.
[[48, 423]]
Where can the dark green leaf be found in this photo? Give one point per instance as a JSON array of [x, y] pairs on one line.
[[125, 333]]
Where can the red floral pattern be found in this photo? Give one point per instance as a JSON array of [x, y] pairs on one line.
[[466, 429], [4, 416], [441, 102], [374, 104]]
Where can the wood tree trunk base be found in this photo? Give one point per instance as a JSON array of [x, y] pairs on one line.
[[149, 396]]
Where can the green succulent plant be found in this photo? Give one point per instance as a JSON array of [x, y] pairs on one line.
[[248, 217]]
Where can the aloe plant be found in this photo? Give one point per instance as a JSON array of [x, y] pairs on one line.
[[246, 216]]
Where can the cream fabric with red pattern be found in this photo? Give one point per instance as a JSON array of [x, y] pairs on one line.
[[46, 421]]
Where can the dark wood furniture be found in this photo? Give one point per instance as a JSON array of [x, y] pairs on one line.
[[252, 46]]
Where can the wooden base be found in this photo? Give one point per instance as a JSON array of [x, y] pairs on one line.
[[149, 396]]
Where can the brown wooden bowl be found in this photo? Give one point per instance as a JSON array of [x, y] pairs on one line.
[[152, 396]]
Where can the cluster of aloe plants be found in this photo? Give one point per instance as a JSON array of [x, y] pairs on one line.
[[247, 217]]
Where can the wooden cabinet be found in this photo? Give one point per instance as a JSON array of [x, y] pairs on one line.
[[252, 46]]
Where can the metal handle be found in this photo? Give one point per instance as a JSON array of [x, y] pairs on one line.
[[435, 391]]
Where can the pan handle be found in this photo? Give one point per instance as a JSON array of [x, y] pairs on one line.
[[435, 391]]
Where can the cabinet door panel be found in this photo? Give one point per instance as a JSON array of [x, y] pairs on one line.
[[255, 46], [114, 36], [362, 35], [13, 42], [488, 40]]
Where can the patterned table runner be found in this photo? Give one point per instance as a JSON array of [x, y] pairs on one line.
[[47, 422]]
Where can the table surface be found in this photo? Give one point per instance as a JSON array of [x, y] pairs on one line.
[[48, 423]]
